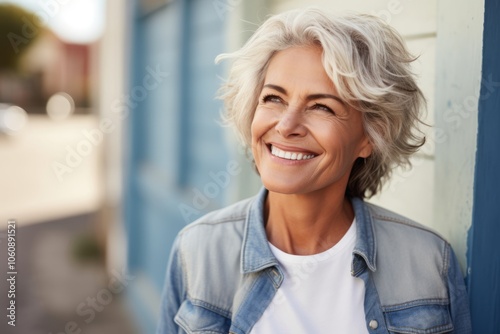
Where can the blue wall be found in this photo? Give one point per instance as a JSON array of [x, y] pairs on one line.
[[174, 140], [484, 254]]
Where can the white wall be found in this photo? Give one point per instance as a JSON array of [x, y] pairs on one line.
[[458, 60], [113, 75]]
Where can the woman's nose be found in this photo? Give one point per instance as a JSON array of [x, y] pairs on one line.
[[290, 124]]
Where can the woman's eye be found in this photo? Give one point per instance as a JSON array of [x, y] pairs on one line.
[[271, 98], [322, 107]]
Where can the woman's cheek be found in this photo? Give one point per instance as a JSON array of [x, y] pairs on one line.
[[258, 124]]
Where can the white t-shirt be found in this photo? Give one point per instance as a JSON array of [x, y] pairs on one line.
[[318, 294]]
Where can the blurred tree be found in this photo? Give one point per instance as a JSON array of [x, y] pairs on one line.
[[18, 29]]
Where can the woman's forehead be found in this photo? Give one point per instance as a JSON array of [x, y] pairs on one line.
[[299, 67]]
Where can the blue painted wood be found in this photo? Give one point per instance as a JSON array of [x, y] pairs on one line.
[[134, 126], [206, 149], [484, 254], [173, 137]]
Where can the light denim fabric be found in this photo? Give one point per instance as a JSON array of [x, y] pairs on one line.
[[222, 274]]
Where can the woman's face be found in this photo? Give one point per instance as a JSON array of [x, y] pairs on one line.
[[304, 137]]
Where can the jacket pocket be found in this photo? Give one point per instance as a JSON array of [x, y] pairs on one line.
[[423, 318], [200, 317]]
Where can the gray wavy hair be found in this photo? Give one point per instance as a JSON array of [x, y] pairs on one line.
[[370, 66]]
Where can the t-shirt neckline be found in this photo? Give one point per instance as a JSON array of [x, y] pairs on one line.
[[348, 239]]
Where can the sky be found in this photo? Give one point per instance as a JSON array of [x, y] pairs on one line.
[[74, 21]]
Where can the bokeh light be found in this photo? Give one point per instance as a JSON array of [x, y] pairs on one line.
[[60, 106], [12, 118]]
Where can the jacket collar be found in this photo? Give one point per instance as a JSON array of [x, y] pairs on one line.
[[257, 255], [366, 245]]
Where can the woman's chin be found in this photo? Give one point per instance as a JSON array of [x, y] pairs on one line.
[[284, 187]]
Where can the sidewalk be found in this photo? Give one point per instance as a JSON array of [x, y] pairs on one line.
[[55, 293]]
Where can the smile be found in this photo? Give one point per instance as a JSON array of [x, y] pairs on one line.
[[290, 155]]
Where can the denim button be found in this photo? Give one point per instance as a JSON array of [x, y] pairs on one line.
[[373, 324]]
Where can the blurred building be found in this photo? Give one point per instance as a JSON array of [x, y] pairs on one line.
[[49, 66], [178, 163], [60, 67]]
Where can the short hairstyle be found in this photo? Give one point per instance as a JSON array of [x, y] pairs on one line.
[[369, 64]]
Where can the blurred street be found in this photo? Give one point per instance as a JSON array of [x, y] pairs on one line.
[[59, 276], [35, 191], [60, 171]]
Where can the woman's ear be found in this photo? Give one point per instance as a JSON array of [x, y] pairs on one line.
[[366, 148]]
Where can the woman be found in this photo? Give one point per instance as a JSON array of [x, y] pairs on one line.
[[328, 106]]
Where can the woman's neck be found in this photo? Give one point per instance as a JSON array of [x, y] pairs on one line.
[[305, 224]]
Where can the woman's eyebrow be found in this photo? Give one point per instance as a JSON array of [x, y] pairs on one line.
[[276, 87], [324, 96], [309, 97]]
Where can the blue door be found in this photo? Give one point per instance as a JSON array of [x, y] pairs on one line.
[[175, 147], [484, 255]]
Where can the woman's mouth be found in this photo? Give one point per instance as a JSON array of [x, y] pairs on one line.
[[290, 155]]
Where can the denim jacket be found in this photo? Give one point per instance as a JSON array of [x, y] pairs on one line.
[[222, 274]]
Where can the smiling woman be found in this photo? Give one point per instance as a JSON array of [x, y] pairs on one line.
[[299, 113], [328, 106]]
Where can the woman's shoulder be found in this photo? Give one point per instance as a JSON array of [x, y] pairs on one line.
[[414, 267], [229, 217], [218, 230], [405, 248], [395, 224], [210, 250]]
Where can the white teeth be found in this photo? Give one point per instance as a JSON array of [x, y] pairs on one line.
[[290, 155]]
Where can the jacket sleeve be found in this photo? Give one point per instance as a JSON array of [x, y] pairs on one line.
[[173, 294], [459, 299]]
